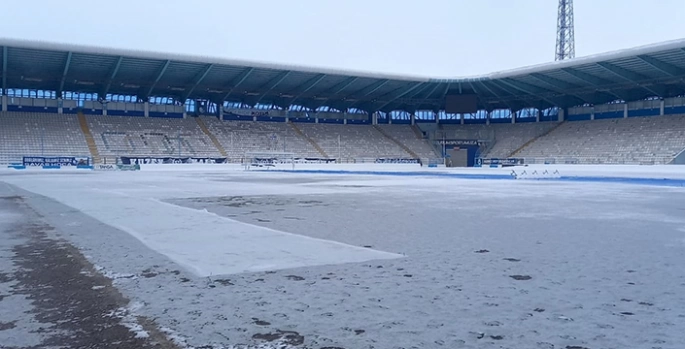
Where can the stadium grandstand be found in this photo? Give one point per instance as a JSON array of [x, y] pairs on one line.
[[623, 107]]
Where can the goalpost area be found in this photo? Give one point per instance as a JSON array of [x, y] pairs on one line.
[[267, 160]]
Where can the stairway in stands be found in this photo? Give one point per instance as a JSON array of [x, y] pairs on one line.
[[94, 153], [513, 154], [308, 139], [417, 131], [392, 139], [211, 136]]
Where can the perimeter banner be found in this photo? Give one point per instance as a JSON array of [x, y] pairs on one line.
[[170, 160], [61, 161]]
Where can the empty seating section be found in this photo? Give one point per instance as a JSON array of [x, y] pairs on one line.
[[240, 137], [117, 136], [635, 140], [405, 135], [349, 142], [509, 138], [639, 140], [38, 134], [501, 139]]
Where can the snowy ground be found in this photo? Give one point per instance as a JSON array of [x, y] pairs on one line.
[[218, 256]]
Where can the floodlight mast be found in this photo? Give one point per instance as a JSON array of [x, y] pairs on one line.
[[566, 42]]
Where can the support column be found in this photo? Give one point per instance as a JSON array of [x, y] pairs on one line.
[[104, 109], [412, 118], [437, 117], [345, 121], [60, 106], [221, 113], [374, 119], [146, 109], [562, 115], [461, 118], [513, 117], [662, 106], [537, 115], [625, 111], [592, 113], [487, 118]]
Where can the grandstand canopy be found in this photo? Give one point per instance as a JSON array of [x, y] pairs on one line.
[[651, 71]]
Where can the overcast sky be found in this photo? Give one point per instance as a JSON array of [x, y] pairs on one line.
[[435, 38]]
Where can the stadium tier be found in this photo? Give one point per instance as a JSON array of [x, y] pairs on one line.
[[35, 134], [642, 140], [636, 140]]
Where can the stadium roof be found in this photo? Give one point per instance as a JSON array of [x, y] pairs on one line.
[[650, 71]]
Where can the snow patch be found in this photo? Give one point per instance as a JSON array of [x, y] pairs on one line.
[[128, 319], [114, 276]]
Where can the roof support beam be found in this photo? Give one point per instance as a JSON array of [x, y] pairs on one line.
[[428, 85], [67, 63], [198, 79], [563, 92], [491, 91], [373, 87], [591, 79], [662, 66], [406, 92], [337, 89], [308, 86], [238, 81], [627, 75], [556, 83], [435, 88], [525, 88], [343, 85], [112, 75], [157, 78], [4, 70], [272, 84]]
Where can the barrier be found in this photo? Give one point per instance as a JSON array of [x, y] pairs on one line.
[[135, 167], [497, 163], [51, 167], [105, 167]]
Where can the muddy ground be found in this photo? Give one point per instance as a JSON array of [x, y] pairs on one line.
[[71, 304]]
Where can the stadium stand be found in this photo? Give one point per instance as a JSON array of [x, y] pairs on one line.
[[407, 136], [636, 118], [240, 137], [117, 136], [40, 134], [502, 140], [638, 140], [353, 142]]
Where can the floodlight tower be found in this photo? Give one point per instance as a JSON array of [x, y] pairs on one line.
[[566, 42]]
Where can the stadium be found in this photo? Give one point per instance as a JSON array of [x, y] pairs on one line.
[[160, 200]]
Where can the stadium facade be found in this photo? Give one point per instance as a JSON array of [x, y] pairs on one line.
[[580, 88], [41, 79]]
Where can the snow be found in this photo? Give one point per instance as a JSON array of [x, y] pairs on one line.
[[452, 262]]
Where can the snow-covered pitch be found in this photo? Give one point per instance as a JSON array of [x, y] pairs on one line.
[[384, 256]]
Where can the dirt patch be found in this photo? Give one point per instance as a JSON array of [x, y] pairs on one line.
[[295, 278], [521, 277], [285, 337], [67, 293], [7, 325]]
